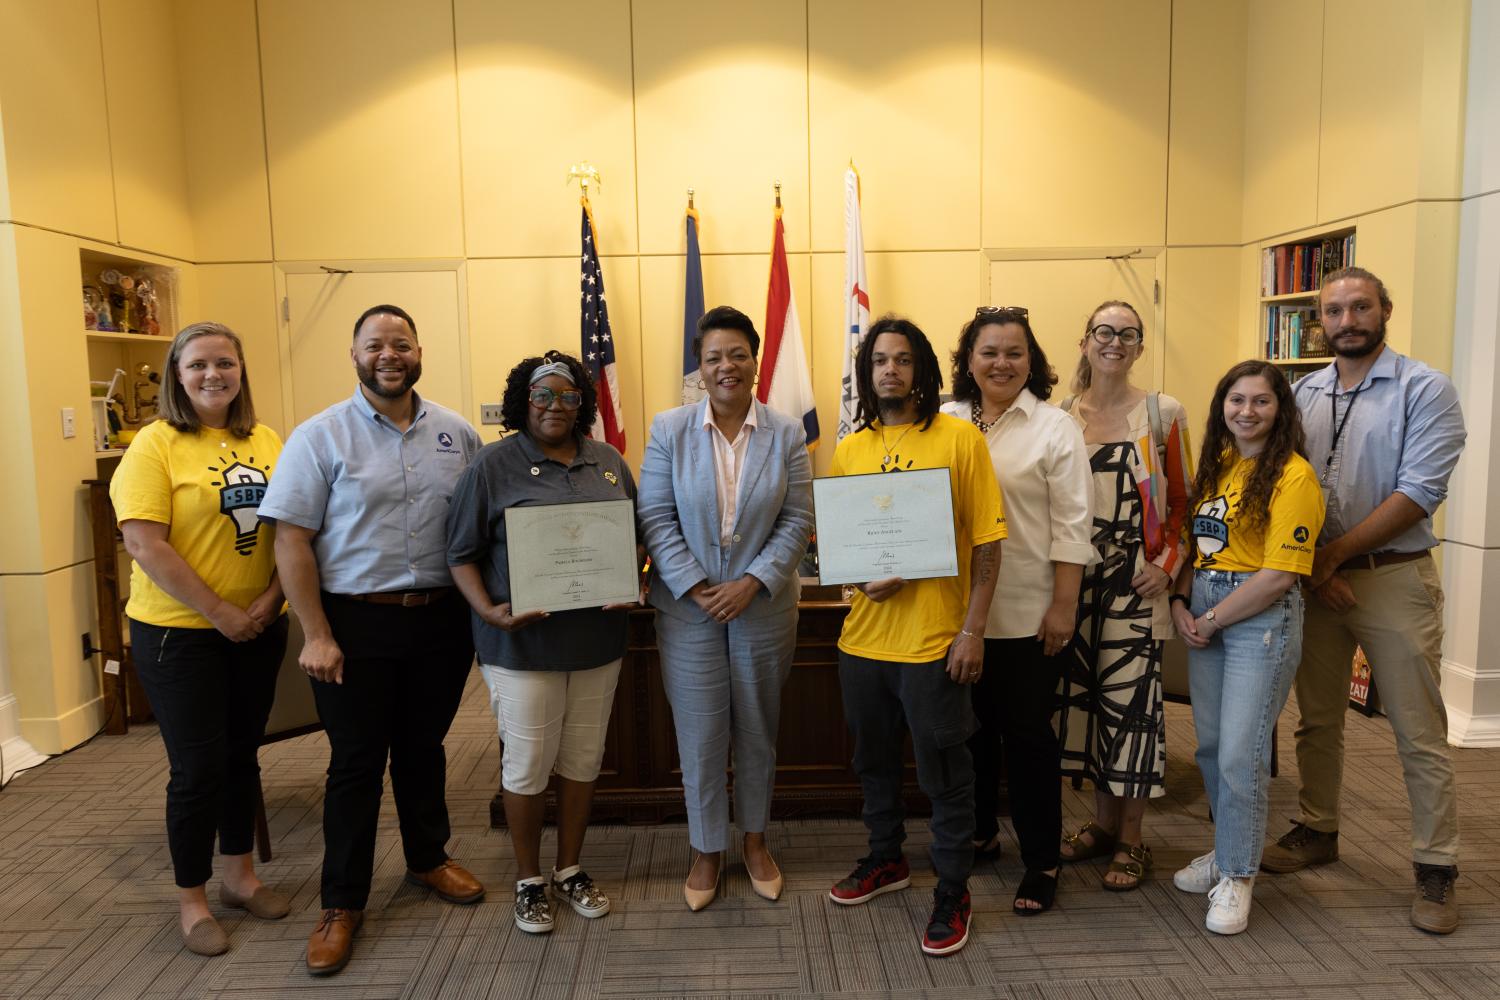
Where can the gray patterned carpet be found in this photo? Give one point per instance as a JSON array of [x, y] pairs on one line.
[[86, 901]]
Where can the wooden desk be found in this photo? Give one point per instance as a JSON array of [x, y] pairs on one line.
[[641, 781]]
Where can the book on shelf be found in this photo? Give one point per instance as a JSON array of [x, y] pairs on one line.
[[1298, 268], [1294, 332]]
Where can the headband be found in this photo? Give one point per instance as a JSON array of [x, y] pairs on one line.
[[557, 368]]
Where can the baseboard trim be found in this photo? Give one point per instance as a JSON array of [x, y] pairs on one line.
[[1473, 731], [66, 731], [18, 755]]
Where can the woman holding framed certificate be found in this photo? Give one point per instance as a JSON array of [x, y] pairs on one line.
[[1001, 381], [726, 512], [551, 675], [1112, 726]]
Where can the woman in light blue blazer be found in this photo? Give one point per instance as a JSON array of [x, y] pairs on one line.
[[725, 504]]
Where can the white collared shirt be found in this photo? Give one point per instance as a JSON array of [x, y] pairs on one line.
[[1043, 468], [729, 463]]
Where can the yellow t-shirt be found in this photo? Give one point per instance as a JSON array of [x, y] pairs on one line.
[[918, 623], [206, 487], [1284, 542]]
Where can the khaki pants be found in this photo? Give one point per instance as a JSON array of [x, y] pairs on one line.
[[1399, 623]]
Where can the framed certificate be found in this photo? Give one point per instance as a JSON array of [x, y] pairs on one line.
[[885, 524], [571, 555]]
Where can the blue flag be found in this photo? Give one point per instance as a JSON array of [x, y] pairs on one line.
[[692, 311]]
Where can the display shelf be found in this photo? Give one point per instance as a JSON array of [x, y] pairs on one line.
[[1300, 362], [104, 337], [1290, 297], [109, 453]]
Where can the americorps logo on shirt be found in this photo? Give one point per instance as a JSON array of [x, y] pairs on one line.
[[445, 444]]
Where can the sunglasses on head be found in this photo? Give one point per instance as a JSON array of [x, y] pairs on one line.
[[1017, 312]]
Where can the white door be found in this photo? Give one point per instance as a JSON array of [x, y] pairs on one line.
[[322, 308], [1059, 295]]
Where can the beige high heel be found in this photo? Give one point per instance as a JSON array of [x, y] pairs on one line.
[[697, 899], [769, 888]]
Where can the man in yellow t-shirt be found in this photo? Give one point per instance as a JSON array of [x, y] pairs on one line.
[[909, 648]]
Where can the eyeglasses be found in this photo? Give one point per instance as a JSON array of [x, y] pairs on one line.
[[1130, 336], [1017, 311], [569, 399]]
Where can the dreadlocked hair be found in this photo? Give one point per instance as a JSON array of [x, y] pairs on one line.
[[927, 374], [1285, 440]]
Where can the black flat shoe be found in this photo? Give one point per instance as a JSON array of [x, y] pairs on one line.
[[1037, 886], [987, 850]]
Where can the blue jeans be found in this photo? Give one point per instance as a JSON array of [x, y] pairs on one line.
[[1239, 685]]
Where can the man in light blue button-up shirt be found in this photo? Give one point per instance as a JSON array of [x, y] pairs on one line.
[[361, 546], [1384, 432]]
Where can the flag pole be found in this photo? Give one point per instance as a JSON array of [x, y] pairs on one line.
[[778, 197]]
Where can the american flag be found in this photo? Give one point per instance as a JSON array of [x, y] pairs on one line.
[[598, 342]]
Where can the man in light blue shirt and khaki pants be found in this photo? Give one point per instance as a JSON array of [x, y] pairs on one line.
[[1384, 432]]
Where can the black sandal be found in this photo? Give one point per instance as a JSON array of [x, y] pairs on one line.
[[987, 850], [1038, 887]]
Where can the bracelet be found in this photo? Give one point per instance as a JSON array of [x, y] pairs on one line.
[[971, 635], [1179, 597]]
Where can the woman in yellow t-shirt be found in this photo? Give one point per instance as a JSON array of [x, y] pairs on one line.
[[1259, 508], [207, 628]]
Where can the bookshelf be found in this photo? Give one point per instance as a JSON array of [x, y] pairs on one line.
[[1291, 335]]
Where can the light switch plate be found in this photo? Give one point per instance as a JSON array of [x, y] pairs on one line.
[[489, 413], [69, 422]]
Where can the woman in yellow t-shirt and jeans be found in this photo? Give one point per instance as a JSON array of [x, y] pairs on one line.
[[207, 628], [1259, 508]]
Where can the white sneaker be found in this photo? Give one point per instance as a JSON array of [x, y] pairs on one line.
[[1229, 905], [1199, 876]]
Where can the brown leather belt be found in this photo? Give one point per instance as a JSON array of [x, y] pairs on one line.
[[1374, 560], [404, 598]]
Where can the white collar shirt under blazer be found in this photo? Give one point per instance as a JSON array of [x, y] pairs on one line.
[[1042, 466]]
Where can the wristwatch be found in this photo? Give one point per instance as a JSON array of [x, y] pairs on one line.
[[1208, 616]]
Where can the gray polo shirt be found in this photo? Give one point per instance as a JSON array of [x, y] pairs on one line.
[[377, 496], [514, 473]]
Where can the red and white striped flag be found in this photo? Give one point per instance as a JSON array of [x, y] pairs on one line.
[[785, 382], [597, 347]]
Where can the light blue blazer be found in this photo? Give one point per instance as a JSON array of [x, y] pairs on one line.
[[678, 507]]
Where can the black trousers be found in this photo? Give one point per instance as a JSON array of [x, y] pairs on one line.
[[404, 673], [1015, 699], [883, 700], [211, 698]]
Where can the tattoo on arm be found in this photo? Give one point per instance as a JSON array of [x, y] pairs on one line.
[[984, 564]]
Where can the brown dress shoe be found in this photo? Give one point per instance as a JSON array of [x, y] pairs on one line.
[[1300, 847], [450, 882], [332, 941]]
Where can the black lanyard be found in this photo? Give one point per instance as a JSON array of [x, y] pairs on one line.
[[1339, 430]]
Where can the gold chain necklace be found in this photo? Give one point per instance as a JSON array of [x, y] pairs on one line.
[[890, 458]]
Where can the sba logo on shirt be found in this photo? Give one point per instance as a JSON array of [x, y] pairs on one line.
[[1211, 528], [241, 490]]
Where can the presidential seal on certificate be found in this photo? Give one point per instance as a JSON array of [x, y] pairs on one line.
[[571, 555], [885, 524]]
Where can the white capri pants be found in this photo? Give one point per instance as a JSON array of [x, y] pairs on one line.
[[550, 720]]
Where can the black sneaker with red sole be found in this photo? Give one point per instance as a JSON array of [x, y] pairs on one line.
[[948, 929], [871, 877]]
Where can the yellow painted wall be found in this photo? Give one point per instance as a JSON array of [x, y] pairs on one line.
[[223, 130], [400, 130], [145, 125], [361, 106], [1075, 123], [57, 137]]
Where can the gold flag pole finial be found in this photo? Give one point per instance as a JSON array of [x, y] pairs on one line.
[[583, 173], [690, 199], [778, 194]]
